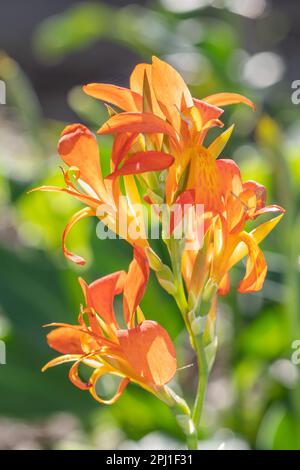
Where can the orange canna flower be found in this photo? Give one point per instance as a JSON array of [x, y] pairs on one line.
[[142, 352], [78, 149], [159, 103], [226, 240]]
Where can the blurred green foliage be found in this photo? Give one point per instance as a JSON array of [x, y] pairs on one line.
[[254, 389]]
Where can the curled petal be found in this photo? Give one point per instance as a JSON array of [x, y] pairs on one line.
[[123, 98], [93, 382], [258, 234], [74, 377], [256, 268], [224, 99], [81, 197], [61, 360], [83, 213]]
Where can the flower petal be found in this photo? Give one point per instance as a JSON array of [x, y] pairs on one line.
[[85, 212], [66, 340], [135, 284], [138, 122], [224, 99], [170, 90], [218, 145], [100, 295], [256, 268], [123, 98], [142, 162], [78, 147], [97, 374], [150, 352]]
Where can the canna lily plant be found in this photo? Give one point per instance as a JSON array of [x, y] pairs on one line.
[[159, 156]]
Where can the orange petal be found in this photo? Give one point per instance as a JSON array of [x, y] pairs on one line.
[[258, 234], [65, 340], [208, 111], [142, 162], [135, 284], [61, 360], [81, 197], [224, 285], [224, 99], [123, 98], [93, 383], [101, 293], [86, 212], [75, 379], [170, 90], [137, 122], [78, 147], [256, 268], [121, 146], [150, 352]]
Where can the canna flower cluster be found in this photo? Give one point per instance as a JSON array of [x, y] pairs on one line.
[[159, 156]]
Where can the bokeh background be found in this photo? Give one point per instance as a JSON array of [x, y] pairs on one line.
[[47, 51]]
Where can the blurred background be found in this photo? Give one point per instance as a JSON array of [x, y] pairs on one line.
[[47, 51]]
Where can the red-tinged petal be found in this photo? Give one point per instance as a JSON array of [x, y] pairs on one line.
[[65, 340], [78, 147], [224, 99], [123, 98], [170, 91], [93, 383], [208, 111], [135, 284], [142, 162], [256, 268], [101, 293], [270, 208], [121, 146], [138, 122], [259, 190], [83, 213], [150, 352]]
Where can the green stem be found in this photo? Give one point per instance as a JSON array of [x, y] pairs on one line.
[[202, 381], [196, 341]]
